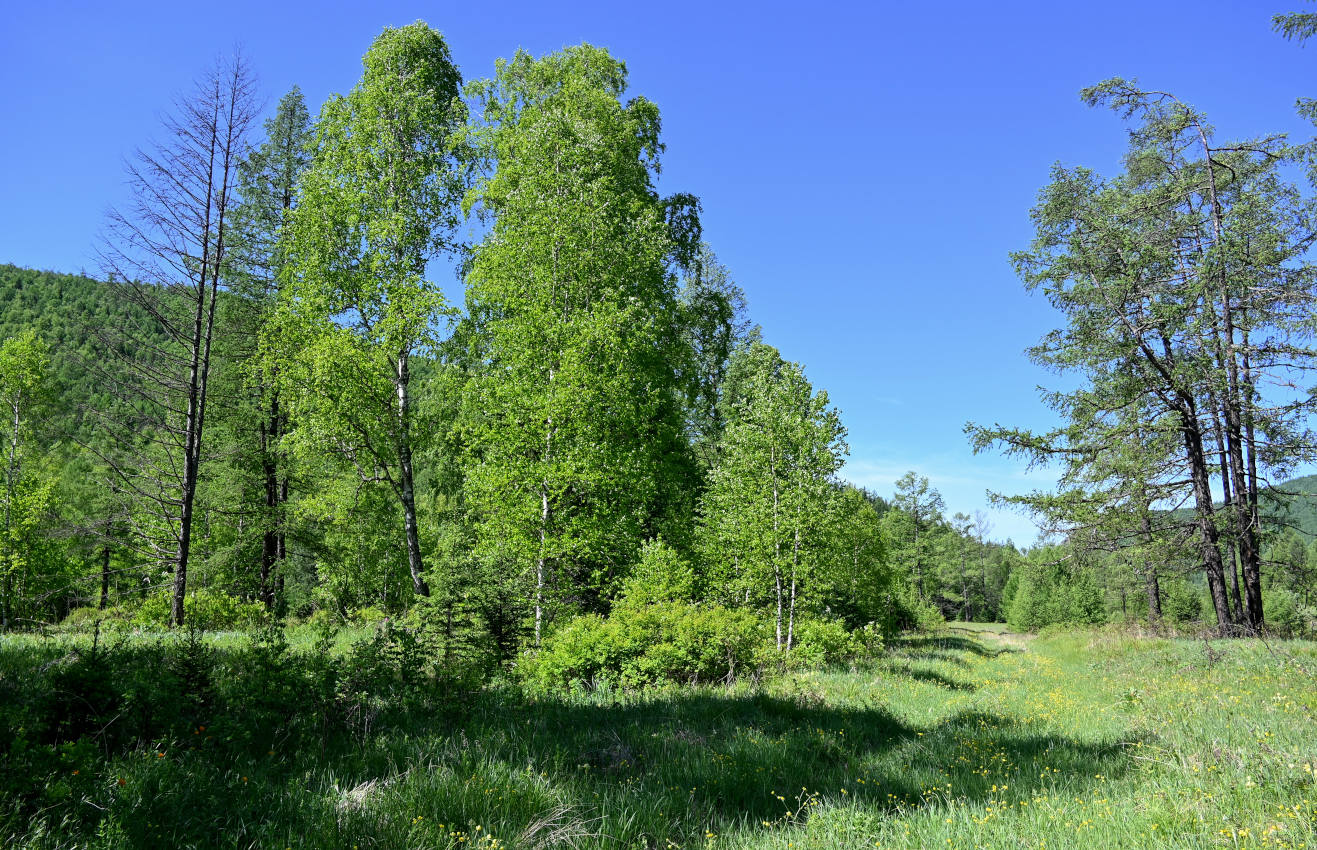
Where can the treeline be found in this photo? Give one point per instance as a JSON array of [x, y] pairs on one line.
[[269, 408]]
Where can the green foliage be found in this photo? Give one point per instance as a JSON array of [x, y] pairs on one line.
[[823, 641], [68, 312], [1181, 602], [649, 644], [660, 575], [1287, 615], [575, 452], [1027, 732], [207, 609], [88, 619], [378, 201], [765, 515], [1051, 591], [906, 611], [857, 579]]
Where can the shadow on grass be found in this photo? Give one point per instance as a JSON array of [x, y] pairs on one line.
[[931, 677], [945, 646], [638, 769]]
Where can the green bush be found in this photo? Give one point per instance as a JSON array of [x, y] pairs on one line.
[[369, 615], [648, 644], [212, 610], [681, 642], [826, 641], [323, 618], [1054, 593], [1181, 603], [661, 575], [86, 618], [1285, 615]]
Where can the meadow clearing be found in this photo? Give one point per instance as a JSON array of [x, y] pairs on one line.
[[967, 739]]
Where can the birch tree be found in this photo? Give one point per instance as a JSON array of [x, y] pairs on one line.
[[576, 454], [765, 515], [24, 379], [356, 309]]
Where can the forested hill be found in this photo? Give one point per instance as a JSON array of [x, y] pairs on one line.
[[66, 311], [59, 307], [1289, 505], [1298, 497]]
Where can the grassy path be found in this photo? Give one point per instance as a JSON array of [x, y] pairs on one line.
[[966, 741], [1079, 741]]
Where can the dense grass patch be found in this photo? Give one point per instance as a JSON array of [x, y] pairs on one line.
[[972, 739]]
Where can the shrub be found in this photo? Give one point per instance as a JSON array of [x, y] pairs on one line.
[[212, 610], [323, 618], [1053, 593], [86, 618], [661, 575], [903, 610], [369, 615], [648, 644], [1180, 602], [681, 642], [1285, 615], [826, 641]]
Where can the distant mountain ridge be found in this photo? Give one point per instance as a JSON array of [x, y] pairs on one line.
[[1295, 504]]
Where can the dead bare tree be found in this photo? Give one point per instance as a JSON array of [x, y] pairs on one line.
[[165, 251]]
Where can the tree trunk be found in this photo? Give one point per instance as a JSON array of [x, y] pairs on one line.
[[406, 490], [1150, 584], [189, 489], [105, 576], [795, 563], [11, 483], [777, 544], [1252, 571], [539, 562], [1227, 504], [1248, 545], [919, 564], [1211, 554], [269, 532]]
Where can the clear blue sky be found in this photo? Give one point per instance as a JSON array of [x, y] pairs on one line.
[[865, 168]]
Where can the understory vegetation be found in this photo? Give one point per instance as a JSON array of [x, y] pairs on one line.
[[964, 739]]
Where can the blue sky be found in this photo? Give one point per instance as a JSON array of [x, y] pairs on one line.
[[865, 168]]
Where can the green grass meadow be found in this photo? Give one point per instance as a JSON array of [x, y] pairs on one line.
[[969, 739]]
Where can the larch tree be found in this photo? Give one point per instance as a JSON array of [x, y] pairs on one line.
[[268, 179], [1120, 472], [919, 513], [167, 251], [378, 202], [1184, 289]]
